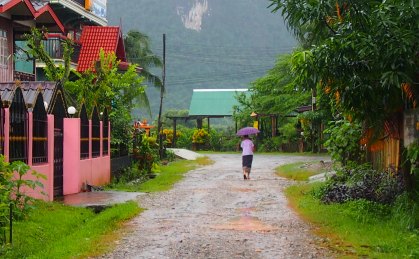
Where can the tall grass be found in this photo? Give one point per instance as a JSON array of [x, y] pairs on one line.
[[53, 230], [362, 228]]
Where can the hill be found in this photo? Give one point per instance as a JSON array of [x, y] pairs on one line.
[[209, 43]]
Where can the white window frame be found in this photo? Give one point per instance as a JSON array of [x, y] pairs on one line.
[[4, 49]]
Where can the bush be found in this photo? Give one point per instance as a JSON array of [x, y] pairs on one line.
[[271, 144], [362, 182], [343, 143]]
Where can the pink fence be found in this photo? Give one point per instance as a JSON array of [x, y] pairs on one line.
[[76, 173]]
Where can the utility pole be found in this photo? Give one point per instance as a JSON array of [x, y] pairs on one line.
[[159, 123]]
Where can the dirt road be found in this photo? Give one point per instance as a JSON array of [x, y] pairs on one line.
[[214, 213]]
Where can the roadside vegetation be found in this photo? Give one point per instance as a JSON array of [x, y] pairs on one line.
[[351, 221], [301, 171], [53, 230], [165, 177]]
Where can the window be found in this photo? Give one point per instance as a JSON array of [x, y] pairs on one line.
[[4, 49]]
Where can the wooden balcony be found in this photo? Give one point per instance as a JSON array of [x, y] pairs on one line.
[[53, 46], [22, 76]]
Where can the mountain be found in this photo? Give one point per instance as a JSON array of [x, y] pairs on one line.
[[209, 43]]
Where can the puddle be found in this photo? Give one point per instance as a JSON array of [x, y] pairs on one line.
[[243, 190], [245, 223]]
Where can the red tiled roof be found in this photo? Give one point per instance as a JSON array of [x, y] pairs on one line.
[[95, 38]]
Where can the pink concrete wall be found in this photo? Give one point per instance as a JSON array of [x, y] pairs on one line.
[[72, 174], [77, 173], [47, 169], [101, 170]]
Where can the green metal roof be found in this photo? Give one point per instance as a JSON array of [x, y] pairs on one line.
[[213, 102]]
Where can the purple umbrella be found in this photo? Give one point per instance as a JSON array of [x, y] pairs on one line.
[[247, 131]]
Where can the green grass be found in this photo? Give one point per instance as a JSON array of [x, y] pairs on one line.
[[298, 171], [53, 230], [169, 175], [359, 228]]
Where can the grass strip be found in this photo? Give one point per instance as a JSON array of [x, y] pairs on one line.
[[300, 171], [169, 175], [53, 230], [357, 228]]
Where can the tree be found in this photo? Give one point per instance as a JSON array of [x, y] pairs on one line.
[[138, 51], [364, 57]]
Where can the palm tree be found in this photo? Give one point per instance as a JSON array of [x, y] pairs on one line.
[[137, 47]]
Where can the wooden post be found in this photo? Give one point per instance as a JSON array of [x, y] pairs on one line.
[[174, 133]]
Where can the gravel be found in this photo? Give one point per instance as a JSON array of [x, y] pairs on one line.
[[214, 213]]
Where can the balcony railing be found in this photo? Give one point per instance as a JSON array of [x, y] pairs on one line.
[[22, 76], [55, 49]]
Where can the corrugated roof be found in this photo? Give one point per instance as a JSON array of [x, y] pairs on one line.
[[30, 91], [95, 38], [213, 102]]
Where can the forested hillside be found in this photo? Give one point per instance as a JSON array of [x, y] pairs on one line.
[[210, 43]]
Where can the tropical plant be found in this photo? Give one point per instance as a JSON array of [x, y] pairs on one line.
[[344, 141], [138, 51], [363, 56], [13, 180], [200, 136]]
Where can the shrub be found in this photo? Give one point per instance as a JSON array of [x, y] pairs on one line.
[[271, 144], [343, 143], [200, 136], [362, 182]]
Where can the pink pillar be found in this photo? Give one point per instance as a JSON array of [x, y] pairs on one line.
[[30, 138], [71, 157], [6, 133]]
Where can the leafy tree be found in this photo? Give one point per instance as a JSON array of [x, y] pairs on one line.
[[364, 57], [107, 87], [54, 72]]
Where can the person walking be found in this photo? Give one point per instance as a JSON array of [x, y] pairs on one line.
[[248, 148]]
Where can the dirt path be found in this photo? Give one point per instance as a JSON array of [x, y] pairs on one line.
[[214, 213]]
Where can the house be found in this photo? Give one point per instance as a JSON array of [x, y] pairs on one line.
[[96, 38]]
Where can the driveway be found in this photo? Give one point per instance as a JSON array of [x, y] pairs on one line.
[[214, 213]]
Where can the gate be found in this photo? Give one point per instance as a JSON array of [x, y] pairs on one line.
[[58, 162]]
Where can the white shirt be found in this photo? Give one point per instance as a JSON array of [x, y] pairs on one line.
[[247, 146]]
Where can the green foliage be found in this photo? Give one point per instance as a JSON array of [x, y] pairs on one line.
[[360, 54], [107, 87], [145, 152], [57, 73], [362, 228], [13, 179], [168, 176], [300, 171], [138, 51], [412, 156], [343, 143], [271, 144], [51, 229], [200, 136], [362, 182]]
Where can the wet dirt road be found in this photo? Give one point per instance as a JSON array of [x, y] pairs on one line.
[[214, 213]]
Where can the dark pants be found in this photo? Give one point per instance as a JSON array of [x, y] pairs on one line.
[[247, 161]]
